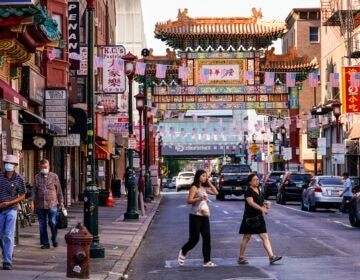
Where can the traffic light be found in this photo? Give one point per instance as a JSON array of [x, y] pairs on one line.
[[271, 149]]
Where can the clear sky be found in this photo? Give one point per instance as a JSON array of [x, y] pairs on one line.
[[163, 10]]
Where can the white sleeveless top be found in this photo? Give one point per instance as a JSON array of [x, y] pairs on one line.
[[195, 207]]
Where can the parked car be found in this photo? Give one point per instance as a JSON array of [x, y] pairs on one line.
[[322, 191], [165, 182], [184, 180], [214, 179], [354, 207], [268, 185], [233, 180], [172, 183], [290, 187]]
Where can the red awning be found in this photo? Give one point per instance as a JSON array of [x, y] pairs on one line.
[[10, 99], [101, 153]]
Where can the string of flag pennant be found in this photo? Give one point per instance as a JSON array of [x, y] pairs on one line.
[[205, 73]]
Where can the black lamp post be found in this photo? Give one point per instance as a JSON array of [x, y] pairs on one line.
[[148, 187], [336, 107], [140, 107], [131, 213], [91, 193]]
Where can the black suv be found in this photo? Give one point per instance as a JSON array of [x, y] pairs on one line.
[[233, 180], [290, 188], [269, 186], [354, 207]]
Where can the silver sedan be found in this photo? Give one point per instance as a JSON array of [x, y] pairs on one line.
[[322, 192]]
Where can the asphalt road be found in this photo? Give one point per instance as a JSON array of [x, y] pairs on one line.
[[320, 245]]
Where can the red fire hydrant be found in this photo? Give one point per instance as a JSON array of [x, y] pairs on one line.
[[78, 241]]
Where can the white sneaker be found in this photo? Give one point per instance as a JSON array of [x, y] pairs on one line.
[[181, 258], [209, 264]]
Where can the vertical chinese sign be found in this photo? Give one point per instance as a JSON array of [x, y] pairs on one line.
[[113, 70], [350, 94]]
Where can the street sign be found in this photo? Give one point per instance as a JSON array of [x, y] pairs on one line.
[[132, 142], [321, 142], [287, 153], [72, 140], [338, 148], [338, 158], [56, 109], [254, 149]]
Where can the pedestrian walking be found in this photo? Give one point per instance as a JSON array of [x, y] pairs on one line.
[[199, 222], [12, 191], [253, 221], [46, 198], [346, 194]]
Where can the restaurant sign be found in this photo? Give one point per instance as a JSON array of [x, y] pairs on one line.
[[350, 94], [56, 109], [113, 72]]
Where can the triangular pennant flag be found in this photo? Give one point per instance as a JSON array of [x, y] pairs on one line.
[[160, 71], [334, 79], [269, 78], [195, 118], [313, 80], [290, 79], [249, 75], [140, 68], [183, 72], [181, 116]]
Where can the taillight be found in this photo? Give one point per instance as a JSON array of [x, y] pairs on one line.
[[318, 189], [269, 181], [222, 180]]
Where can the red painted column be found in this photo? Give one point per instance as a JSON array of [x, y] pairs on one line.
[[294, 132]]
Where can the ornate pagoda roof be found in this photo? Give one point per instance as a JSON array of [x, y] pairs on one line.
[[33, 17], [235, 31], [290, 62]]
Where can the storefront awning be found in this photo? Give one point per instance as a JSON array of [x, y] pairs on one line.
[[28, 117], [354, 132], [101, 153], [10, 99]]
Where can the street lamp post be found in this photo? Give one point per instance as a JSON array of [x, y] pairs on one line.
[[160, 143], [148, 187], [336, 107], [91, 193], [131, 213], [140, 107]]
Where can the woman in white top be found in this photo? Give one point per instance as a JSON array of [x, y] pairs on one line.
[[199, 217]]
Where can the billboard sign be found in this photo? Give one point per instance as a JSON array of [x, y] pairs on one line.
[[74, 34], [350, 94]]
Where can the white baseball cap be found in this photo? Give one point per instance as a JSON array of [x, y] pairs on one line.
[[11, 159]]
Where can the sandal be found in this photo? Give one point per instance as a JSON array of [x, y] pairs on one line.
[[242, 260], [181, 258], [274, 259], [209, 264]]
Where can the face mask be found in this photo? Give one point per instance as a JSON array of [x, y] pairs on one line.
[[44, 171], [9, 167]]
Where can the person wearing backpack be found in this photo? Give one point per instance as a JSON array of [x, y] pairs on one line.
[[199, 222], [46, 197]]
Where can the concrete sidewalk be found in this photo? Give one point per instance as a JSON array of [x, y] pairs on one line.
[[120, 238]]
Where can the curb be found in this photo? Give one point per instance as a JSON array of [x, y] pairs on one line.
[[118, 272]]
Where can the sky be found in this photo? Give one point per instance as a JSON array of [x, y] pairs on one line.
[[163, 10]]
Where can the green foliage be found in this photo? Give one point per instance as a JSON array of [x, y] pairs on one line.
[[175, 166]]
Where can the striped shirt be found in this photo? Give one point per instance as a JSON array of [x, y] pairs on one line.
[[46, 192], [11, 188]]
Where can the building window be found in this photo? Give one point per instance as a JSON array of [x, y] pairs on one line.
[[59, 20], [314, 34]]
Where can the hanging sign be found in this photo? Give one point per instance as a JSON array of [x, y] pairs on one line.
[[74, 34], [113, 72], [72, 140], [350, 94], [132, 142], [321, 143], [56, 109]]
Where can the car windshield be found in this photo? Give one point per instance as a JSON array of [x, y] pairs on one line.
[[183, 175], [300, 177], [330, 181], [235, 169]]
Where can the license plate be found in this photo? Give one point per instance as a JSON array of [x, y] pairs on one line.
[[335, 193], [238, 188]]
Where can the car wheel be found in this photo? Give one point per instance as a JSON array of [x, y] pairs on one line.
[[302, 206], [282, 199]]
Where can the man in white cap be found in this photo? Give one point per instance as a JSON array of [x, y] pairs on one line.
[[12, 191]]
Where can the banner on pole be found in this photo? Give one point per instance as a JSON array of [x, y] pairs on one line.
[[113, 71]]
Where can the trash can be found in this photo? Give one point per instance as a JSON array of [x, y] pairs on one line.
[[116, 187], [103, 197]]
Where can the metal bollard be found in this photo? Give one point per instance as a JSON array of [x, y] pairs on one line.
[[78, 241]]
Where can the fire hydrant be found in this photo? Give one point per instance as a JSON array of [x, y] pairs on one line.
[[78, 241]]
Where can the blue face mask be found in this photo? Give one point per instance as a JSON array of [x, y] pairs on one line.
[[9, 167]]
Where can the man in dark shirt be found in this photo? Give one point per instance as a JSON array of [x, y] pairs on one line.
[[12, 190], [46, 197]]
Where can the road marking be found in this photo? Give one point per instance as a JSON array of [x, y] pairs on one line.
[[289, 227], [331, 247], [249, 278], [182, 206], [217, 206], [341, 223], [226, 212], [294, 209]]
